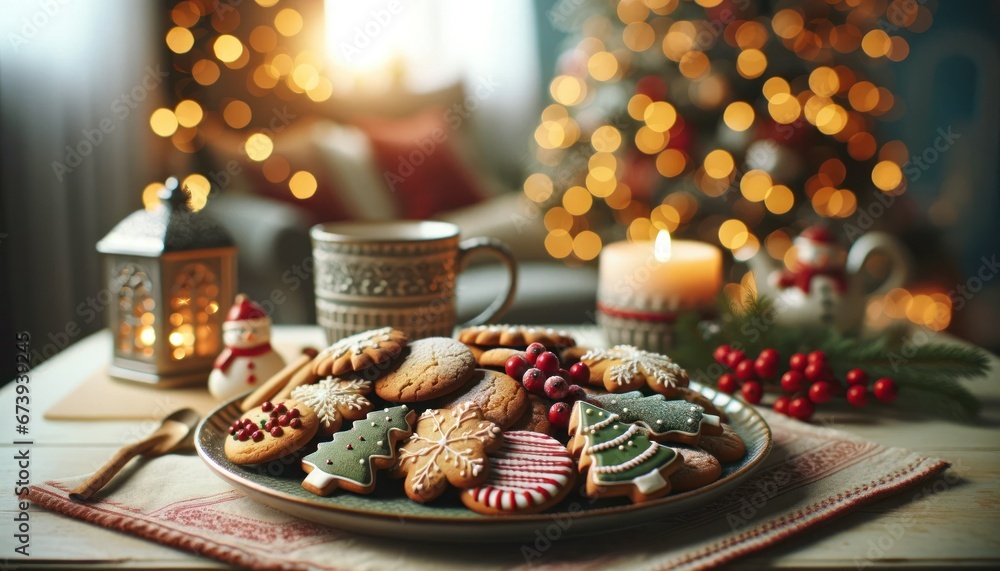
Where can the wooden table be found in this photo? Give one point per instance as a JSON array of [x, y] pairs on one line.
[[953, 521]]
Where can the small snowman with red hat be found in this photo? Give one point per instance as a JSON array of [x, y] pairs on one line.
[[816, 284], [248, 358]]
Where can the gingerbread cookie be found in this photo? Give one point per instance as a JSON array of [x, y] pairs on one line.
[[699, 469], [536, 418], [335, 400], [497, 357], [447, 447], [530, 473], [727, 447], [431, 368], [625, 368], [270, 431], [617, 457], [502, 399], [358, 352], [664, 420], [514, 336], [350, 460]]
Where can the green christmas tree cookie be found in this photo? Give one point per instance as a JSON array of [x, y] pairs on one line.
[[617, 457], [350, 460], [664, 420]]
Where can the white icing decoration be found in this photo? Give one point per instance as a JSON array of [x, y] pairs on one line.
[[621, 439], [331, 397], [649, 483], [356, 344], [628, 465]]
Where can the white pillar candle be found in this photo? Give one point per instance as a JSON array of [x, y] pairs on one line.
[[662, 277]]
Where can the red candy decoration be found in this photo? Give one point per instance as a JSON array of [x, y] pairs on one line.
[[885, 390], [798, 362], [283, 420], [745, 371], [279, 410], [821, 392], [277, 431], [781, 405], [242, 434], [294, 413], [534, 380], [549, 363], [579, 374], [752, 392], [295, 423], [267, 406], [728, 384], [559, 414], [801, 408], [857, 395], [856, 377], [516, 366], [533, 351], [721, 353], [257, 436]]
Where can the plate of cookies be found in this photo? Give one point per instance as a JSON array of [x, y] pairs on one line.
[[486, 436]]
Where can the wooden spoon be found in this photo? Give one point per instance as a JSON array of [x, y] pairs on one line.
[[174, 430]]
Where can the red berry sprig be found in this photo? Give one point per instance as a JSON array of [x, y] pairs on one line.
[[541, 372], [808, 382]]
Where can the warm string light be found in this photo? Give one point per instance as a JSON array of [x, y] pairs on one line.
[[669, 58], [266, 61]]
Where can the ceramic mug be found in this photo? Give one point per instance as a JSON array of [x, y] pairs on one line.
[[398, 274]]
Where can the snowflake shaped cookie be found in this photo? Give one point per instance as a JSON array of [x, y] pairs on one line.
[[358, 352], [447, 446], [335, 400], [626, 368]]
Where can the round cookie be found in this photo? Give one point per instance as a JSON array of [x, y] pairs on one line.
[[270, 431], [431, 368], [335, 400], [699, 469], [360, 351], [530, 473], [536, 418], [497, 357], [502, 399], [514, 336], [447, 447], [727, 447]]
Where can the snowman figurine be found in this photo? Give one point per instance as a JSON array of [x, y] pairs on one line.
[[819, 280], [248, 358]]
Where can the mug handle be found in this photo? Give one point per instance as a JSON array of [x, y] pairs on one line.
[[472, 246], [888, 245]]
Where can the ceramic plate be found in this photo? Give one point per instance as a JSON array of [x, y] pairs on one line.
[[388, 512]]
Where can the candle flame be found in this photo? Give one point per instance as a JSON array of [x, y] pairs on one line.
[[662, 247]]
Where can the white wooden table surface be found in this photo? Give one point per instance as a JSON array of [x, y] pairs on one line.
[[952, 521]]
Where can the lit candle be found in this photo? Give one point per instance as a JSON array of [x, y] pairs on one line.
[[659, 279]]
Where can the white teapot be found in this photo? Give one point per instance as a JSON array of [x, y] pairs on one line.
[[826, 287]]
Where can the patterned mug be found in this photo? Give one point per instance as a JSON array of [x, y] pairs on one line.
[[398, 274]]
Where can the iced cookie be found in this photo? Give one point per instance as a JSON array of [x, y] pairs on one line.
[[530, 473], [335, 400], [665, 420], [727, 447], [502, 399], [448, 446], [617, 457], [497, 357], [352, 458], [270, 431], [358, 352], [694, 397], [514, 336], [431, 368], [624, 368], [699, 469], [536, 418]]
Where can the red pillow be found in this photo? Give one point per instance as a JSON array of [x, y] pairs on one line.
[[420, 168]]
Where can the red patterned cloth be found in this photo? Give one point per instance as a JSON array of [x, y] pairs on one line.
[[812, 476]]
